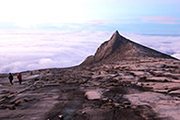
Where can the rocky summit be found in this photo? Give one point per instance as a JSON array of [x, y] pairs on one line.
[[119, 48], [122, 81]]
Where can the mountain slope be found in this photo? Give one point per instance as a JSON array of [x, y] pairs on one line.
[[118, 48]]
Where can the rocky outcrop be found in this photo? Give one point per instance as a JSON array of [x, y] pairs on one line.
[[119, 48], [144, 87]]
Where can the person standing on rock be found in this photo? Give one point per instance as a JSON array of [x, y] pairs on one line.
[[11, 78], [19, 76]]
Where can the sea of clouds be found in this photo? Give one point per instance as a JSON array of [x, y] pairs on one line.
[[29, 50]]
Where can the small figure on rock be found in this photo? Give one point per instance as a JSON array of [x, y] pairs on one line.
[[11, 78], [19, 76]]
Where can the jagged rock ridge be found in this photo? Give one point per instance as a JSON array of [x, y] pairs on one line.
[[118, 48]]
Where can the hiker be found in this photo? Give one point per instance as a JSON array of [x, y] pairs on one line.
[[19, 76], [11, 78]]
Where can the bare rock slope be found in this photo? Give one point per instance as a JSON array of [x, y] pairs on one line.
[[119, 48], [122, 81]]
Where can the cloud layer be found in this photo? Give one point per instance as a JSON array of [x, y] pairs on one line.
[[22, 51], [46, 49], [161, 20], [166, 44]]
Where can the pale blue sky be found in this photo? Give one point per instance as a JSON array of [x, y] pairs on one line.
[[136, 16]]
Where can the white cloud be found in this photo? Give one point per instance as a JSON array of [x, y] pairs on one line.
[[161, 20], [166, 44], [27, 50], [177, 55]]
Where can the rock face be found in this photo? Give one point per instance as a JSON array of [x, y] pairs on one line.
[[139, 84], [119, 48]]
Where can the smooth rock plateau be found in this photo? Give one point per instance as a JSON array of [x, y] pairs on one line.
[[122, 81]]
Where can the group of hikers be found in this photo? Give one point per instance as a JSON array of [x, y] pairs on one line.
[[19, 77]]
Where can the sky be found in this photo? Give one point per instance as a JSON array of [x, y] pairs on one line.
[[37, 34], [153, 16]]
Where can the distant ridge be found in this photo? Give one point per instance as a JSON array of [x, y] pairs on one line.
[[119, 48]]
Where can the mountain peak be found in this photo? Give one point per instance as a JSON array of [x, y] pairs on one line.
[[108, 47], [119, 48], [116, 33], [115, 36]]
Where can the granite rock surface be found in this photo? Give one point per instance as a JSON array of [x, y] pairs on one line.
[[136, 84]]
